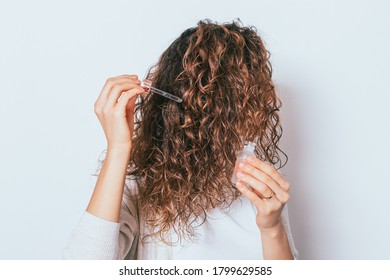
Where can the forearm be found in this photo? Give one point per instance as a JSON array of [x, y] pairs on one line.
[[107, 196], [275, 244]]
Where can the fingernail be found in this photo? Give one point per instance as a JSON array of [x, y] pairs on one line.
[[250, 158], [246, 167], [241, 175]]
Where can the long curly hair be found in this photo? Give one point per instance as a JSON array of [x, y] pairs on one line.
[[184, 153]]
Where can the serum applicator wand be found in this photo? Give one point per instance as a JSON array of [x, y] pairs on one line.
[[147, 85]]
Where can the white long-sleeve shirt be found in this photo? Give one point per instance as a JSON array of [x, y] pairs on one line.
[[227, 234]]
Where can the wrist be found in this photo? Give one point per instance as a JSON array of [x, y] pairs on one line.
[[119, 150], [119, 147], [274, 231]]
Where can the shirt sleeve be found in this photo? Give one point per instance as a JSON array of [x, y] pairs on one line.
[[286, 223], [97, 238]]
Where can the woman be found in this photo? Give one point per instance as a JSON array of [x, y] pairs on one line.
[[164, 190]]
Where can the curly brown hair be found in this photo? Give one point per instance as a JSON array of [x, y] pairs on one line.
[[184, 153]]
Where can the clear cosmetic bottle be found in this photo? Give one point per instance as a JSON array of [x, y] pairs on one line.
[[249, 150]]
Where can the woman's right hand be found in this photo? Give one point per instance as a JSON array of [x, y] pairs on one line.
[[115, 109]]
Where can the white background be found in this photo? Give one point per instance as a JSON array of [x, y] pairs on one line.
[[330, 61]]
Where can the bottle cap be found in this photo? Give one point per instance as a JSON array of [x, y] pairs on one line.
[[250, 146]]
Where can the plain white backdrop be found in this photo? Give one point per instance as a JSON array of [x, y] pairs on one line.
[[330, 64]]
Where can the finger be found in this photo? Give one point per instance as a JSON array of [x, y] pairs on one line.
[[132, 76], [261, 195], [261, 182], [270, 171], [250, 195], [127, 96], [261, 188], [110, 82], [118, 89], [266, 206]]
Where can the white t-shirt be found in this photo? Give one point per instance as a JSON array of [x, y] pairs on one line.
[[231, 235]]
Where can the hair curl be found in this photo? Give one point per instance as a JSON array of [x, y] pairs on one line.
[[184, 153]]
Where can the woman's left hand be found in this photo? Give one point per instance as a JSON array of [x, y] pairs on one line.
[[269, 191]]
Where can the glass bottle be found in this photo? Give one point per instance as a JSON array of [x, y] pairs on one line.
[[249, 150]]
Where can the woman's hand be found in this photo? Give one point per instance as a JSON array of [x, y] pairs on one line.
[[269, 191], [115, 109]]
